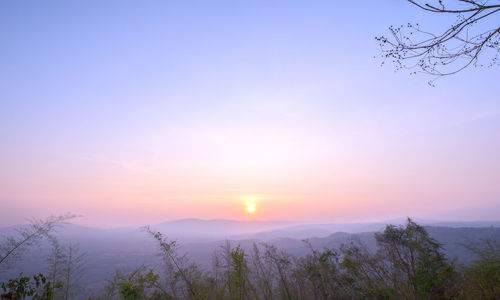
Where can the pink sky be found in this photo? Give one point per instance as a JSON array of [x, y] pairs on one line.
[[156, 112]]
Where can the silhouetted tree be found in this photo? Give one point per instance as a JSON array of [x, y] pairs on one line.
[[237, 279], [180, 267], [264, 280], [72, 270], [417, 263], [55, 261], [12, 247], [482, 278]]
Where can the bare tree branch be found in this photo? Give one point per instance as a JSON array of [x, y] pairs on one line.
[[13, 246], [475, 34]]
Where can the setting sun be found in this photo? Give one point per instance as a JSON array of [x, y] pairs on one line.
[[251, 208], [251, 203]]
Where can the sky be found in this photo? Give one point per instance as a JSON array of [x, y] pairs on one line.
[[138, 112]]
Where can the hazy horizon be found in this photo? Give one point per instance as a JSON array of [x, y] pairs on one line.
[[80, 220], [133, 113]]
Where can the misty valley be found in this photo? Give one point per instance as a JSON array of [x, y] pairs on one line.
[[223, 259]]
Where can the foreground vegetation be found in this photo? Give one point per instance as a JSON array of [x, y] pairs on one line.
[[408, 264]]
